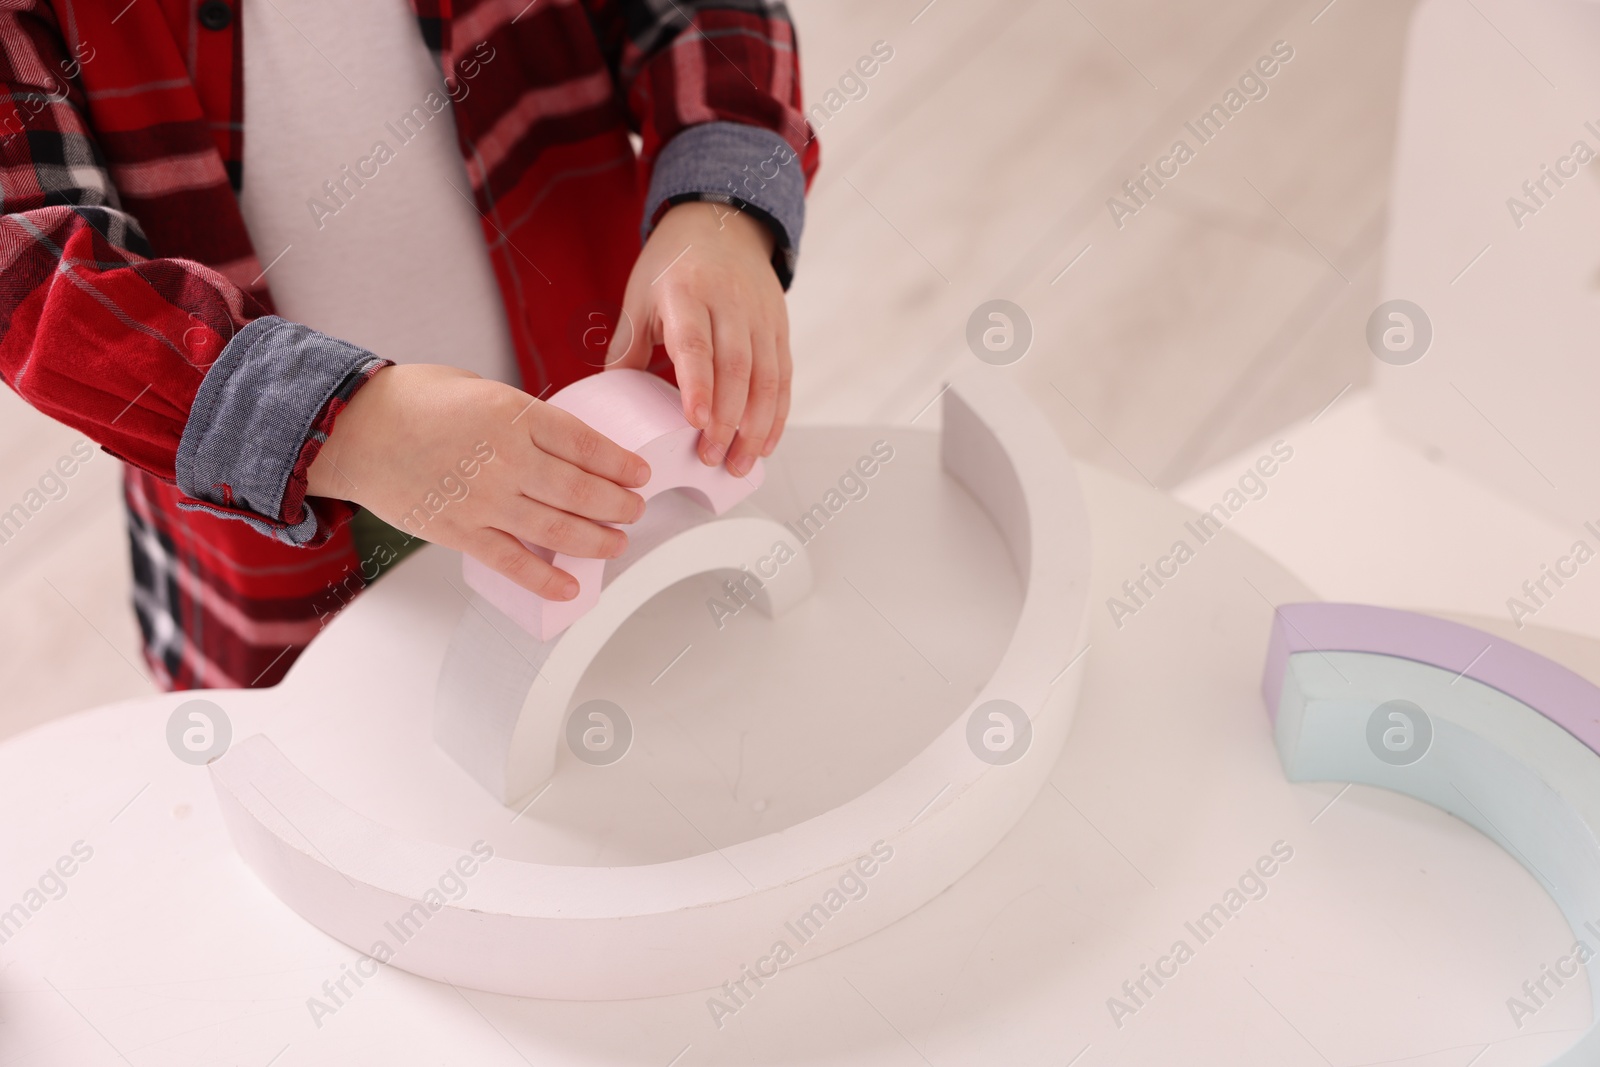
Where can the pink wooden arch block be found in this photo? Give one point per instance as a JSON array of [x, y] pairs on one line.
[[643, 414]]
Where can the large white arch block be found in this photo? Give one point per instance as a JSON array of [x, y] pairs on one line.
[[572, 932]]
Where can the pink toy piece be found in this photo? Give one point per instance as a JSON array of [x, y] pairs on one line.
[[643, 414], [1563, 697]]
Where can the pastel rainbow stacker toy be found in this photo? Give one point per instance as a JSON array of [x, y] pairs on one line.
[[1498, 736], [589, 932], [305, 897]]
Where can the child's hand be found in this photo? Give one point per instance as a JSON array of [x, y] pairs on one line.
[[413, 432], [704, 287]]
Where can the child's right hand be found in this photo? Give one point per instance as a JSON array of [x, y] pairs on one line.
[[551, 482]]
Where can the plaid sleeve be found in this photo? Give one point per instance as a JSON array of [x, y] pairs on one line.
[[93, 331], [713, 89]]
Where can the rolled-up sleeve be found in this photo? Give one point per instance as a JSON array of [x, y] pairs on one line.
[[260, 417], [753, 170], [713, 89]]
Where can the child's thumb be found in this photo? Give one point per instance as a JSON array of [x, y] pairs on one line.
[[630, 346]]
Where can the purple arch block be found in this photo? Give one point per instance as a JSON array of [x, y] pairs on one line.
[[1563, 697]]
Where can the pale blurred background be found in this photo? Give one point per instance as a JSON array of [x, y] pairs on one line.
[[1230, 313], [988, 144], [977, 165]]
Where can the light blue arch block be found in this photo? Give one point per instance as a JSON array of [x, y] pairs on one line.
[[1493, 761]]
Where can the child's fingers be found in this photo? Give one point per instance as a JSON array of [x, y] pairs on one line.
[[761, 407], [553, 481], [731, 388], [566, 436], [785, 381], [631, 341], [503, 553], [686, 331], [560, 531]]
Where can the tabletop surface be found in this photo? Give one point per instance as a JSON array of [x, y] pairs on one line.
[[1389, 931]]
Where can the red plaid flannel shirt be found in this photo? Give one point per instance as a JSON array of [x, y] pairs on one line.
[[125, 265]]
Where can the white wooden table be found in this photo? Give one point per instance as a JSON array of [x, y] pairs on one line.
[[1393, 933]]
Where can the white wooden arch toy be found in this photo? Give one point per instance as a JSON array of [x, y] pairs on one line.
[[504, 691], [643, 414], [503, 694], [1498, 736], [601, 933]]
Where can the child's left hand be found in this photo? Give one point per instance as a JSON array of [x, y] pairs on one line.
[[704, 287]]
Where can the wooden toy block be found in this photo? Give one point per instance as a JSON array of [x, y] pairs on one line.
[[504, 729], [1484, 729], [592, 933], [643, 414]]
